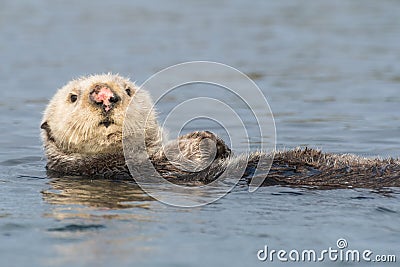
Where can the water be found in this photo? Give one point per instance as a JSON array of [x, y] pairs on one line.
[[330, 71]]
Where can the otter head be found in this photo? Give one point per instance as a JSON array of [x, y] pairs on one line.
[[87, 116]]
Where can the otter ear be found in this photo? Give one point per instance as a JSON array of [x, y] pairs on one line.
[[45, 126]]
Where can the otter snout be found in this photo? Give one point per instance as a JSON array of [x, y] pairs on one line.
[[104, 97]]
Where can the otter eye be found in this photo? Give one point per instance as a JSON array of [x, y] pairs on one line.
[[73, 98], [128, 91]]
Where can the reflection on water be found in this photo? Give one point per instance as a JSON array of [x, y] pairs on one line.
[[97, 193], [85, 209], [125, 194]]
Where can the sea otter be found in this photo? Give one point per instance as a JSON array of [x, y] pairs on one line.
[[86, 121]]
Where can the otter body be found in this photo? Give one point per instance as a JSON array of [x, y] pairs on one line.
[[85, 123]]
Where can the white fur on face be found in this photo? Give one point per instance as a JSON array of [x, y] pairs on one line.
[[76, 125]]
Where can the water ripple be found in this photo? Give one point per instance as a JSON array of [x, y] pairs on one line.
[[77, 228]]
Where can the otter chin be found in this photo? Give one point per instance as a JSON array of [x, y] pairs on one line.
[[86, 121]]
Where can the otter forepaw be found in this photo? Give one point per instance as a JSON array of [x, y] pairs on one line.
[[203, 143], [196, 151]]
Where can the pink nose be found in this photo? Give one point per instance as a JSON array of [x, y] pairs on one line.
[[104, 97]]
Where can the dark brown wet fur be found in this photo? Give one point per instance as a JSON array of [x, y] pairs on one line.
[[297, 167], [310, 167]]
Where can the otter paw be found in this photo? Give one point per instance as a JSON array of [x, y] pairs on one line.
[[204, 142], [196, 151]]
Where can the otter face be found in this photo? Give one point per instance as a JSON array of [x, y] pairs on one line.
[[86, 116]]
